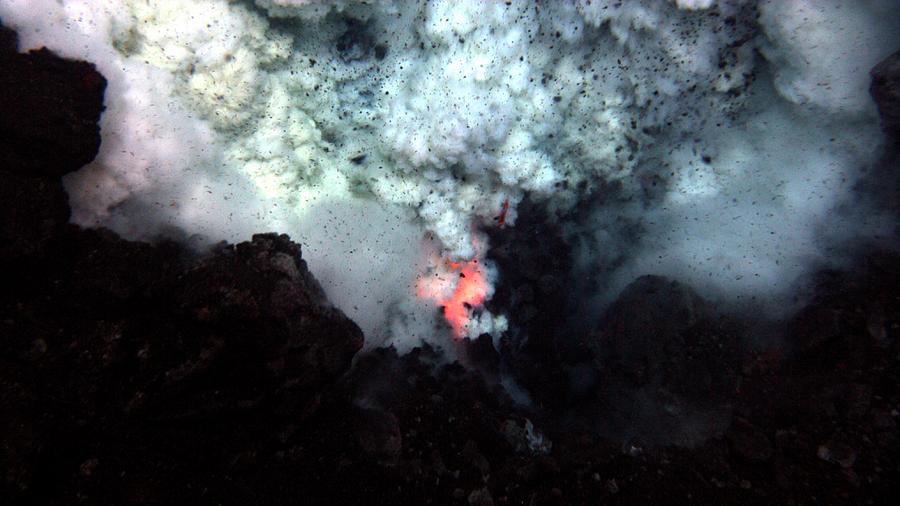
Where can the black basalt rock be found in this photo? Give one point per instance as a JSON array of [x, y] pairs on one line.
[[49, 111], [145, 364], [885, 90]]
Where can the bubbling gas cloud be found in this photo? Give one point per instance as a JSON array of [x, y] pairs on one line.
[[387, 136]]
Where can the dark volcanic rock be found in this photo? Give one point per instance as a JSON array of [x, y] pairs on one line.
[[660, 334], [9, 42], [479, 354], [50, 113], [670, 363], [748, 442], [33, 211], [263, 292], [646, 325], [536, 262], [131, 363], [885, 89], [113, 345]]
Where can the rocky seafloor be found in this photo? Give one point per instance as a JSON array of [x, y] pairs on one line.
[[137, 373]]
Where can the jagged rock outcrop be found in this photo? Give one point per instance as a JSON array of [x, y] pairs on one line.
[[51, 111], [885, 89], [127, 362], [668, 362]]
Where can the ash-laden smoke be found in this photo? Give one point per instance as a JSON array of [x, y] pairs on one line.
[[719, 144]]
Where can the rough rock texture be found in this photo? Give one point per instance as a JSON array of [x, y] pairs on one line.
[[668, 362], [535, 263], [132, 363], [815, 426], [51, 108], [156, 365], [885, 89], [655, 334], [133, 373], [33, 211]]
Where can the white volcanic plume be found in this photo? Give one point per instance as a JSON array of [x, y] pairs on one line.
[[361, 128]]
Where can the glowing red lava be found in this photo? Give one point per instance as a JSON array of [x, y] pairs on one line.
[[458, 287]]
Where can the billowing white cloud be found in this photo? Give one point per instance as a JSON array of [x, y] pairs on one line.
[[363, 128]]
